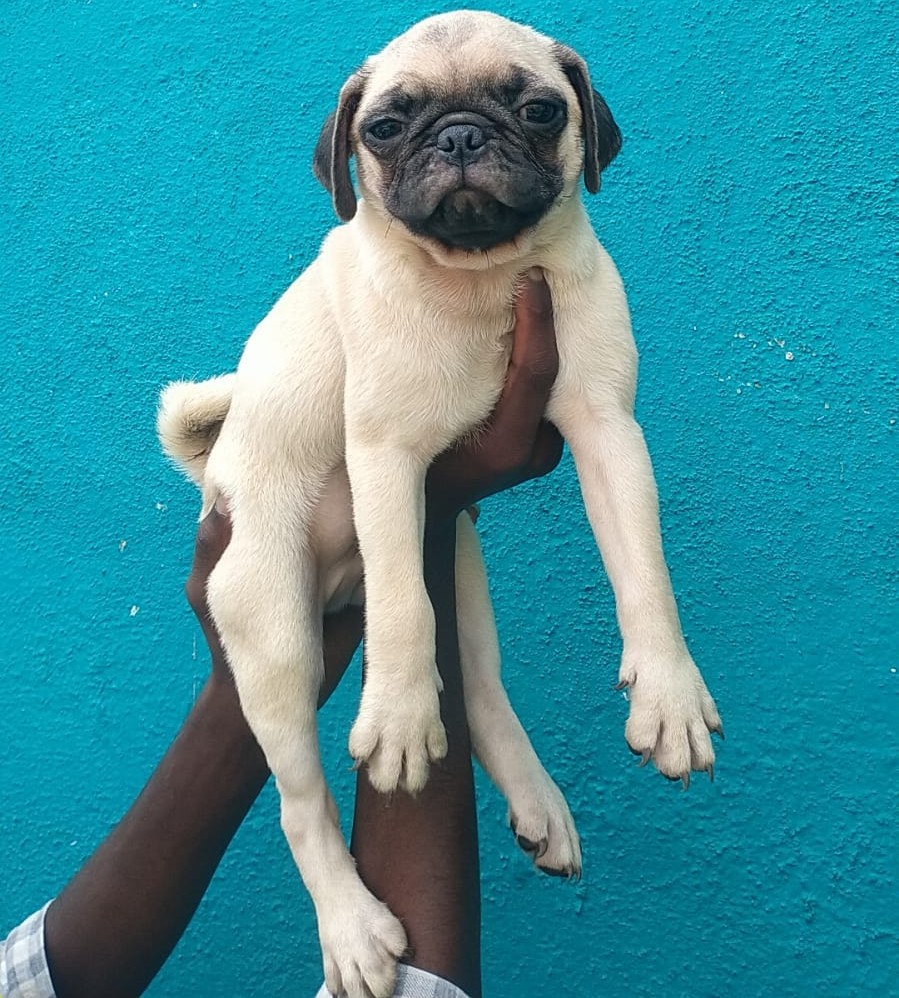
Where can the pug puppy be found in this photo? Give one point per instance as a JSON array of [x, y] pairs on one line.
[[470, 135]]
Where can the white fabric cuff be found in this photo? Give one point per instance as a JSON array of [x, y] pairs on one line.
[[23, 962], [414, 983]]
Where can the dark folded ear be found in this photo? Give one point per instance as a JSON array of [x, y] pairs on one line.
[[322, 157], [331, 159], [602, 138]]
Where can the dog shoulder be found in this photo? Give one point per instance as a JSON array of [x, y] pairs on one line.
[[299, 335], [597, 354]]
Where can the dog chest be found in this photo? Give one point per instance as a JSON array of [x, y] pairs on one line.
[[424, 392]]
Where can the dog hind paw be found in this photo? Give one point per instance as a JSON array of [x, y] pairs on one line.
[[543, 827], [360, 951]]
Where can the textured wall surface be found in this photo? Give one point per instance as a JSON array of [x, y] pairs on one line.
[[156, 199]]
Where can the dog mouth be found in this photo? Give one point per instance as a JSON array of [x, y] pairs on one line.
[[471, 219]]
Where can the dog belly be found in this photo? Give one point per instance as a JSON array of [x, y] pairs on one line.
[[341, 583], [333, 538]]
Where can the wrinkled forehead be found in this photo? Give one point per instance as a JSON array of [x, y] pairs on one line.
[[468, 56]]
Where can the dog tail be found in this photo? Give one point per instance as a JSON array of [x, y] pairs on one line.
[[189, 419]]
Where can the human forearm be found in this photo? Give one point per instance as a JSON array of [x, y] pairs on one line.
[[114, 925], [117, 921], [419, 854]]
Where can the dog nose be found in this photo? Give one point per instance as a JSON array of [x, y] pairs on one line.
[[461, 143]]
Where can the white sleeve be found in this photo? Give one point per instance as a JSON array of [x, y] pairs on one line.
[[414, 983], [23, 963]]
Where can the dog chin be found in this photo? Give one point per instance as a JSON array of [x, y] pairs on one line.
[[473, 231], [460, 258]]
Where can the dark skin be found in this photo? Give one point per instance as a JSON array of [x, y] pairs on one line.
[[119, 918], [420, 854]]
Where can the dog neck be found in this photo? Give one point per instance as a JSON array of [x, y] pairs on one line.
[[473, 280]]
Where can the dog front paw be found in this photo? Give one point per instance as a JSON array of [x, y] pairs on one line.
[[361, 943], [672, 715], [398, 734], [541, 821]]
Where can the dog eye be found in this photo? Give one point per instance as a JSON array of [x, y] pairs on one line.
[[385, 129], [539, 112]]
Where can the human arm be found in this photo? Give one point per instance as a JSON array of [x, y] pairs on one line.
[[419, 854], [116, 922]]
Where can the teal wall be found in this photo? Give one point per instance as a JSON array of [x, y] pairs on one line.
[[157, 197]]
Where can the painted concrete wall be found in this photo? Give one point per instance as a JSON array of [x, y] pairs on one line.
[[157, 198]]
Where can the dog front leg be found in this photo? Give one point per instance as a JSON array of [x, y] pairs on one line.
[[671, 711], [398, 731]]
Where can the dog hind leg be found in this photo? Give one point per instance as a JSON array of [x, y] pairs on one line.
[[263, 598], [538, 812]]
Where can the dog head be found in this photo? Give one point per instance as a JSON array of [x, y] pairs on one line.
[[467, 129]]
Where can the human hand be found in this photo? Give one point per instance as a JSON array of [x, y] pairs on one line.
[[514, 445], [419, 853], [213, 536]]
